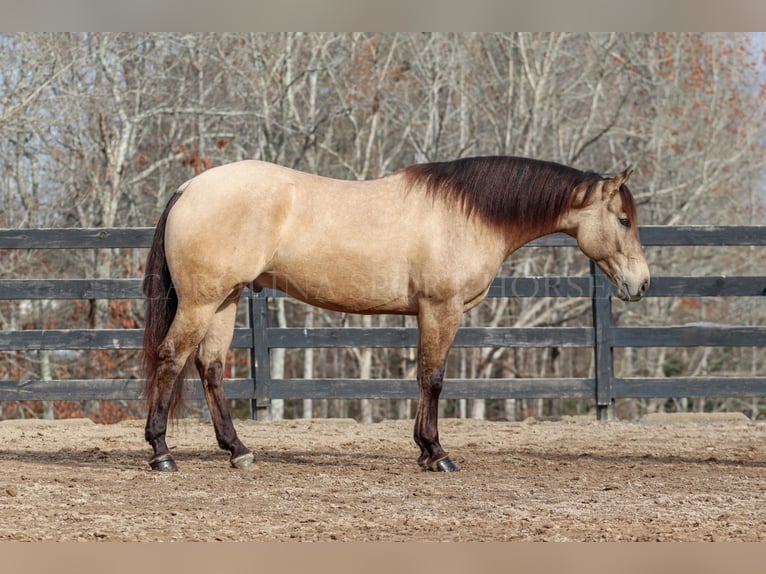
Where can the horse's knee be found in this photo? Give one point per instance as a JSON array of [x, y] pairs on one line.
[[434, 381], [437, 383]]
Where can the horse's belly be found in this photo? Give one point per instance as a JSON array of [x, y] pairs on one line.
[[346, 292]]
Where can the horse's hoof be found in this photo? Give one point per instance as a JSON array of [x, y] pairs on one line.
[[446, 465], [243, 461], [163, 463]]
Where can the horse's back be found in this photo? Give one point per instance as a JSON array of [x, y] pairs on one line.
[[233, 200]]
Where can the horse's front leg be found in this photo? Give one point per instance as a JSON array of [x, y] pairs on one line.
[[437, 325]]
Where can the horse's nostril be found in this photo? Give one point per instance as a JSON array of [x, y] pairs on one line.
[[644, 287]]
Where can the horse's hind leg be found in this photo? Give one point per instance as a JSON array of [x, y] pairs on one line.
[[211, 360], [188, 327]]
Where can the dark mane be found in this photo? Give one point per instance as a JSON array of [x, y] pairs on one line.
[[507, 190]]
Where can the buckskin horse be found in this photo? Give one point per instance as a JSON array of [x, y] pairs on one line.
[[426, 241]]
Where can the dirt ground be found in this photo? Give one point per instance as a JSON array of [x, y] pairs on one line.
[[667, 478]]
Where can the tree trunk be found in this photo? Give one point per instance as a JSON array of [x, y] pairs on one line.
[[365, 372], [277, 360], [308, 365]]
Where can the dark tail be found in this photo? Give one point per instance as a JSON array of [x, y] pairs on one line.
[[160, 303]]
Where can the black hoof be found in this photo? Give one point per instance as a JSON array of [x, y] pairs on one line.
[[164, 463], [446, 465]]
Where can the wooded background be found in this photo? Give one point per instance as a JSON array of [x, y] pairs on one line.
[[97, 130]]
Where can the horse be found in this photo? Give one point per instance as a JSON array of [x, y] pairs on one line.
[[426, 240]]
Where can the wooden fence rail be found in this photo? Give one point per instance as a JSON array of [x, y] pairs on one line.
[[601, 338]]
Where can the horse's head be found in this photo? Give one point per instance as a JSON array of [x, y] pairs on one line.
[[604, 224]]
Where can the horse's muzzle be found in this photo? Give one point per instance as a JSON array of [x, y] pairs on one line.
[[625, 293]]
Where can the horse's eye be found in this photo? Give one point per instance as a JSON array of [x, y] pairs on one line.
[[624, 221]]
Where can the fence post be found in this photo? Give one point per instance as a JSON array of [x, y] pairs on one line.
[[602, 343], [260, 369]]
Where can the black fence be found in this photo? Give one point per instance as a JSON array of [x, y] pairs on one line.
[[601, 338]]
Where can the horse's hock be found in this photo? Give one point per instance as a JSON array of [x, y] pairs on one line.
[[667, 477]]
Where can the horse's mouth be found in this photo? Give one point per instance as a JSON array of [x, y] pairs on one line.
[[628, 298]]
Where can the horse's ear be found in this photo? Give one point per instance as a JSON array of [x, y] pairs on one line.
[[614, 184], [622, 178]]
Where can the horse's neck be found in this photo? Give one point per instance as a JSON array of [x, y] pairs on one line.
[[518, 237]]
